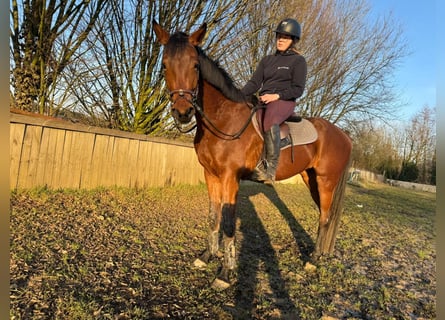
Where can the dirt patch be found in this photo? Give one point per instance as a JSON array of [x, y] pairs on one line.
[[127, 254]]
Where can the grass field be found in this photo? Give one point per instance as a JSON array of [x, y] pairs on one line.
[[127, 254]]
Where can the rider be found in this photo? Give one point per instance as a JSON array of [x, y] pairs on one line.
[[280, 79]]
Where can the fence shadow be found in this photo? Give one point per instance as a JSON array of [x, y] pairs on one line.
[[257, 256]]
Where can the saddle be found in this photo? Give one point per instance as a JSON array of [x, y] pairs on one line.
[[294, 131]]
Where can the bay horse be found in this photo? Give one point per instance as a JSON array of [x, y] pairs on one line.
[[229, 148]]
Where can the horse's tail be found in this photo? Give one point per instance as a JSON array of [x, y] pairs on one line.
[[336, 210]]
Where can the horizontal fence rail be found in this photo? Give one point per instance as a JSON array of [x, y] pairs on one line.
[[53, 153]]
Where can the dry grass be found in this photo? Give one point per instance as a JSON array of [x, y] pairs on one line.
[[126, 254]]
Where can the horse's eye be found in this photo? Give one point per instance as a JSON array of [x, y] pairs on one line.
[[197, 66], [164, 67]]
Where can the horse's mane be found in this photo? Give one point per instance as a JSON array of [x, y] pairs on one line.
[[210, 69], [213, 73]]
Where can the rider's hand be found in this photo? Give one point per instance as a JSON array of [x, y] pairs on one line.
[[269, 97]]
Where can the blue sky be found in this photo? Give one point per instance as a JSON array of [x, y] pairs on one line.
[[416, 76]]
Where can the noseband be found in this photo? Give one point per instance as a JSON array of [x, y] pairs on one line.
[[181, 95], [193, 101]]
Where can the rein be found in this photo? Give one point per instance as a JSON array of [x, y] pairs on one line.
[[215, 130], [226, 135]]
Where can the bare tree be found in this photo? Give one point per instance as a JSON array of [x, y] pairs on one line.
[[106, 60], [44, 38], [419, 146], [400, 152], [350, 60], [124, 60], [375, 149]]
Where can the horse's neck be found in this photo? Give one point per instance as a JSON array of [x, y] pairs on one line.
[[216, 103]]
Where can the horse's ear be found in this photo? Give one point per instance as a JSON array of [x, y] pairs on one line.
[[197, 36], [162, 35]]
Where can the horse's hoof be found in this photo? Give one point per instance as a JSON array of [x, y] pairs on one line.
[[198, 263], [309, 267], [220, 285]]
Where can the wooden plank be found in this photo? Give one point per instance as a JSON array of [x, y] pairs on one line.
[[41, 174], [170, 173], [158, 165], [30, 157], [93, 172], [133, 156], [85, 156], [17, 133], [181, 164], [65, 179], [120, 162], [99, 161], [76, 158], [142, 164], [108, 164], [153, 168], [55, 154]]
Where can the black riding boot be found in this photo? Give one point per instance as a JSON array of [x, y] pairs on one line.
[[272, 143]]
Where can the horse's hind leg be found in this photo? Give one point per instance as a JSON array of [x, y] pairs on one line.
[[310, 179], [332, 191], [322, 190], [214, 191], [326, 190]]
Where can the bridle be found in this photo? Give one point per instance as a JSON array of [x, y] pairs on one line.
[[193, 100]]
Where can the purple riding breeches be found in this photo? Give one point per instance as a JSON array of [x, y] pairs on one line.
[[276, 112]]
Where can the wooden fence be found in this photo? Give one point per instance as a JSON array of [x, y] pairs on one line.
[[55, 153]]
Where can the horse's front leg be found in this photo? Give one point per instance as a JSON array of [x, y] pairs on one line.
[[214, 190], [229, 192], [213, 236]]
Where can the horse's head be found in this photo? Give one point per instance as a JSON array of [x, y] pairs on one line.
[[181, 69]]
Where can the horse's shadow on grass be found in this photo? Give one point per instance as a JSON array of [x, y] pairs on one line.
[[257, 255]]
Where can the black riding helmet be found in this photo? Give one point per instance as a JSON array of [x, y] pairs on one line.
[[290, 27]]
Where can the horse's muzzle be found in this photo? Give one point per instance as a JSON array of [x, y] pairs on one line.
[[183, 117]]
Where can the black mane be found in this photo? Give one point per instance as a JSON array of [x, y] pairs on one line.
[[218, 77]]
